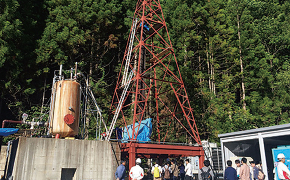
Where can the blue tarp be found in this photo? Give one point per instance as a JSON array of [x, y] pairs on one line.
[[144, 133], [7, 131]]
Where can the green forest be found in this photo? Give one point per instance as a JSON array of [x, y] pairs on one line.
[[234, 56]]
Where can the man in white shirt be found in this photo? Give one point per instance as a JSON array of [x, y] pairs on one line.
[[136, 172], [283, 171], [238, 164], [188, 170]]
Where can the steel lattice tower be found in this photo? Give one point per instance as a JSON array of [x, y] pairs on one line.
[[156, 89]]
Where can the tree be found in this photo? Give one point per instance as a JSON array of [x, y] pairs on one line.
[[11, 61], [85, 32]]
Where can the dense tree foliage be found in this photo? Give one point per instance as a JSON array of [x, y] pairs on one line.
[[234, 55]]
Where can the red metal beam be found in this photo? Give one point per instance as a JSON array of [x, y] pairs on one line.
[[134, 150], [163, 146]]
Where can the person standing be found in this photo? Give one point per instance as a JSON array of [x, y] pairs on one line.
[[119, 135], [282, 170], [156, 171], [174, 169], [136, 172], [238, 164], [259, 164], [255, 171], [188, 170], [181, 170], [167, 171], [205, 172], [261, 174], [121, 171], [245, 170], [230, 172]]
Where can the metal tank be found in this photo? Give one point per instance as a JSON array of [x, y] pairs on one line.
[[65, 108]]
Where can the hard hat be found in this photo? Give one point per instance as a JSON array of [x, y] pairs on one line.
[[138, 160], [280, 156]]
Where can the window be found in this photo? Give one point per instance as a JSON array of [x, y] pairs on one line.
[[68, 173]]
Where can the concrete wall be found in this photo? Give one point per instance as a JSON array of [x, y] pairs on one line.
[[2, 159], [60, 159]]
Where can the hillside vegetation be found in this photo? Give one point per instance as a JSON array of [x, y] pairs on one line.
[[234, 55]]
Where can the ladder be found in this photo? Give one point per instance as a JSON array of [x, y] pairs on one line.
[[98, 109], [132, 36], [109, 134], [90, 100], [208, 155]]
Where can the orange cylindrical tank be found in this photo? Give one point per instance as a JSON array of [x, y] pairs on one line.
[[65, 108]]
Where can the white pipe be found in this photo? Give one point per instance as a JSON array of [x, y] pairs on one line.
[[223, 155], [263, 156], [32, 123], [60, 70], [76, 70], [71, 73]]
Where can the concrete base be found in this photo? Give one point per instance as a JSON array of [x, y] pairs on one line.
[[60, 159], [3, 159]]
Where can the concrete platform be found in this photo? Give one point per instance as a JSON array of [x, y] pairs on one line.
[[60, 159]]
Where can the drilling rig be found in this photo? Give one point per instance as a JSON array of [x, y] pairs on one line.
[[150, 86]]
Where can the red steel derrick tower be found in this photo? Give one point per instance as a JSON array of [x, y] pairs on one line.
[[150, 86]]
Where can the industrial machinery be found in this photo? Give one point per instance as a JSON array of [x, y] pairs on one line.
[[72, 100]]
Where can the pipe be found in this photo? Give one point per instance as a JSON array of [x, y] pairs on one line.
[[71, 73], [32, 124], [39, 123], [60, 70], [76, 70], [10, 121]]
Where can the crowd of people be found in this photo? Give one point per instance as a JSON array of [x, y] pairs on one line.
[[172, 170], [254, 171], [243, 171]]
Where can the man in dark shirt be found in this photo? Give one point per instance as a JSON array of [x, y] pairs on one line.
[[121, 171], [230, 172], [255, 171], [181, 170]]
